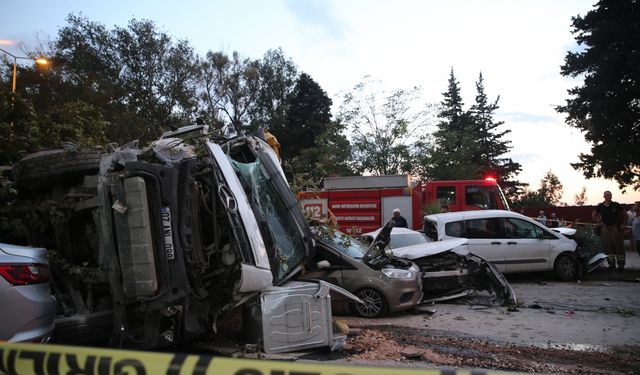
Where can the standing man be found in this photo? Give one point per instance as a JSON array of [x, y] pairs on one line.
[[398, 220], [612, 218], [542, 218]]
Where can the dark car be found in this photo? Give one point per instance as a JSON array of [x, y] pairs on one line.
[[385, 284]]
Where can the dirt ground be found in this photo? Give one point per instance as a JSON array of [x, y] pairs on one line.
[[587, 327]]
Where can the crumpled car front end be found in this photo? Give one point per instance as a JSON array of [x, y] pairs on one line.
[[449, 271]]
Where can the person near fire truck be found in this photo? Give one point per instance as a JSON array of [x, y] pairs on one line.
[[398, 220], [612, 218]]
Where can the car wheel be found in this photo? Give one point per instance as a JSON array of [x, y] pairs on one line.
[[54, 165], [374, 304], [566, 268]]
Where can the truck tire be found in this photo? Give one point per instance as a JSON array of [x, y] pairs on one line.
[[51, 166]]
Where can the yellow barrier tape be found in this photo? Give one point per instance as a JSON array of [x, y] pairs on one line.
[[26, 359]]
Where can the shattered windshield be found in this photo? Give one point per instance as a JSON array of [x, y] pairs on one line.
[[346, 244], [288, 241]]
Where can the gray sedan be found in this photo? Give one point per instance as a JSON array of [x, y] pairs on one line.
[[385, 284], [28, 309]]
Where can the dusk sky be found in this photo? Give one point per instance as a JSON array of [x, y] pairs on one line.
[[517, 45]]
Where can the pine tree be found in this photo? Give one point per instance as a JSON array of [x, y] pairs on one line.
[[308, 115], [490, 143], [452, 156]]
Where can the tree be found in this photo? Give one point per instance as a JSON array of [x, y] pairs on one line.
[[307, 116], [469, 144], [231, 88], [24, 129], [606, 107], [490, 142], [454, 144], [581, 198], [140, 79], [312, 144], [384, 127], [278, 77], [549, 193]]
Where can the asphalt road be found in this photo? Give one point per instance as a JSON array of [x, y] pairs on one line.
[[600, 311]]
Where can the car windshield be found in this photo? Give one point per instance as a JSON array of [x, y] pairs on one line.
[[485, 197], [288, 240], [431, 230], [408, 239], [346, 244]]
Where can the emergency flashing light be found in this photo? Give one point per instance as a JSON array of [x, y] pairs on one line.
[[490, 178]]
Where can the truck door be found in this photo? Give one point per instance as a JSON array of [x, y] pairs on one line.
[[446, 195], [403, 203]]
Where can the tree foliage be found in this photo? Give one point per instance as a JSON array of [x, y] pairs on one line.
[[385, 128], [23, 129], [142, 80], [231, 88], [606, 106], [278, 76], [549, 194], [469, 144], [312, 144], [581, 198]]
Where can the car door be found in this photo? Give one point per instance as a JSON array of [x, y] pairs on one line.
[[486, 239], [526, 248], [331, 272]]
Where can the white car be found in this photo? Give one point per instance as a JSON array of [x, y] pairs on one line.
[[511, 241]]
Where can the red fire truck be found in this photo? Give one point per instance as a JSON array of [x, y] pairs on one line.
[[364, 203]]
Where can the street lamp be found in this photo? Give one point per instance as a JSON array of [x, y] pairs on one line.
[[40, 61]]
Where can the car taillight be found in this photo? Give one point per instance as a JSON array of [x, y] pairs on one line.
[[25, 274]]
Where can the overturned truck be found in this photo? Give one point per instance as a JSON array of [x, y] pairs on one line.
[[163, 244]]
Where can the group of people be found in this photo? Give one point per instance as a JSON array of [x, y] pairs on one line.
[[551, 222]]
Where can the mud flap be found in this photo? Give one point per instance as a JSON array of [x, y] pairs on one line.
[[485, 276], [596, 261]]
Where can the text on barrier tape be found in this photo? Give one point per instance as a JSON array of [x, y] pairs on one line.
[[26, 359]]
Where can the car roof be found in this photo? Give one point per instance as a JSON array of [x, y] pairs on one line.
[[466, 215], [394, 232]]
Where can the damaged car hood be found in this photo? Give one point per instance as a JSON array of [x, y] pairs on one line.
[[457, 245]]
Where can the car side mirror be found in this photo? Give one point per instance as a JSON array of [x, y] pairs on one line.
[[323, 264]]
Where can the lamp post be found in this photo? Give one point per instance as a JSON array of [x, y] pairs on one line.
[[41, 61]]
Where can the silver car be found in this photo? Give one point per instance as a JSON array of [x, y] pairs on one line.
[[28, 309]]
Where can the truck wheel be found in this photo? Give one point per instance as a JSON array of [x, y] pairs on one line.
[[566, 268], [374, 305], [46, 167]]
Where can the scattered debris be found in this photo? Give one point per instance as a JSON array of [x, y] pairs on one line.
[[394, 343]]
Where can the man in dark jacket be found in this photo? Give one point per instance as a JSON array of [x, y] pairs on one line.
[[611, 217], [398, 220]]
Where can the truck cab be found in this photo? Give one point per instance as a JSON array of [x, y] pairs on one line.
[[466, 195]]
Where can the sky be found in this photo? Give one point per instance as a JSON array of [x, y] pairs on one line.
[[518, 46]]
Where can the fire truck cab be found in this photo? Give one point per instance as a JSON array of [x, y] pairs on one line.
[[363, 203]]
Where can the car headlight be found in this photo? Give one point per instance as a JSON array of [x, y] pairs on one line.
[[396, 273]]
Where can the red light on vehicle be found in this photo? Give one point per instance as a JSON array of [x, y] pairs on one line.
[[490, 178], [25, 274]]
